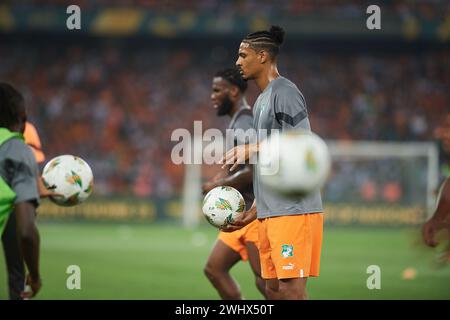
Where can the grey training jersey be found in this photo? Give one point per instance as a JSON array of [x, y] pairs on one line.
[[281, 106], [243, 121], [19, 170]]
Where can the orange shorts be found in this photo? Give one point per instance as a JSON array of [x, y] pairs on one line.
[[236, 240], [290, 246]]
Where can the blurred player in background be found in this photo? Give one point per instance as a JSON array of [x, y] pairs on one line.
[[228, 89], [441, 217], [19, 176], [13, 255], [290, 229]]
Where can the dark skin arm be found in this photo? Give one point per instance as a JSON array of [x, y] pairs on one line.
[[441, 218], [241, 179], [209, 185], [28, 238], [43, 191], [248, 217]]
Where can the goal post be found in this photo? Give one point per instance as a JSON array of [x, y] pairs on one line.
[[417, 159], [192, 192]]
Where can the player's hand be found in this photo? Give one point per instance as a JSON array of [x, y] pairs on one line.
[[44, 192], [238, 155], [237, 224], [35, 285], [430, 229], [248, 217]]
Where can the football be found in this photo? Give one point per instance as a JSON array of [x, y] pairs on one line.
[[69, 176], [294, 162], [222, 205]]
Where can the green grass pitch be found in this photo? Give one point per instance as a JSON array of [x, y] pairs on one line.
[[163, 261]]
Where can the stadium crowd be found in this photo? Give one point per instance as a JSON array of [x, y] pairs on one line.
[[117, 105]]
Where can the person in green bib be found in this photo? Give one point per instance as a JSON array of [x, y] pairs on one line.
[[19, 176]]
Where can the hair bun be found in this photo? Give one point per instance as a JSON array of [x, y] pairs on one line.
[[278, 34]]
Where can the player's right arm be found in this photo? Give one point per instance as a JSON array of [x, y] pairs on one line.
[[28, 237], [441, 218]]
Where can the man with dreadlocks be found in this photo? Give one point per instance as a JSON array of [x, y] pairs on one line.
[[228, 98], [290, 229]]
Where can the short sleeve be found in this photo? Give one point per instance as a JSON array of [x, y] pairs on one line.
[[22, 171], [290, 109]]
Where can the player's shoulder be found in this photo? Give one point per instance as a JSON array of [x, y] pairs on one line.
[[283, 85], [16, 148], [13, 144], [287, 91], [243, 119], [245, 112]]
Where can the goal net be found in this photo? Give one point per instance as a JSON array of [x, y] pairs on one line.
[[381, 182]]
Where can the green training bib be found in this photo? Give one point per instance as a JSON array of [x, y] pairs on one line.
[[7, 195]]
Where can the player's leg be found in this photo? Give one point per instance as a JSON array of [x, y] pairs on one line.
[[217, 269], [292, 289], [253, 258], [286, 289], [13, 259], [272, 289]]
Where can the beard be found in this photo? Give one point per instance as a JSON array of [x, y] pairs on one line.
[[225, 107]]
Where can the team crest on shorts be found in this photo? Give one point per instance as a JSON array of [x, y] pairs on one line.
[[287, 250]]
